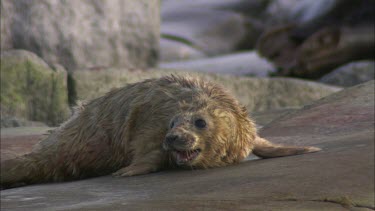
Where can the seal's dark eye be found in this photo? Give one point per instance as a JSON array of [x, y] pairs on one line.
[[172, 124], [200, 123]]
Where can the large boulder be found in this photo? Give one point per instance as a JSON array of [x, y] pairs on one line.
[[257, 94], [340, 177], [84, 34], [31, 90], [351, 74]]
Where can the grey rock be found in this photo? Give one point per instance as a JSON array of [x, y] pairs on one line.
[[215, 27], [171, 50], [31, 90], [266, 117], [351, 74], [305, 11], [6, 122], [339, 177], [24, 131], [279, 11], [84, 34], [298, 11], [22, 56], [18, 141], [257, 94], [245, 63], [7, 10]]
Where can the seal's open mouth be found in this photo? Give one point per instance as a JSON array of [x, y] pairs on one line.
[[183, 157]]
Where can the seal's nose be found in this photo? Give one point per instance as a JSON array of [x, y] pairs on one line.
[[175, 141], [171, 138]]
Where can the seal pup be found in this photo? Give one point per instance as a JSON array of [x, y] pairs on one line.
[[173, 121]]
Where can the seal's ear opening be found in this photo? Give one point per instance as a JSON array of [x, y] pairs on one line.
[[266, 149]]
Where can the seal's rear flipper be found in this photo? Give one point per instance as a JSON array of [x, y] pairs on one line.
[[266, 149], [11, 174], [19, 171]]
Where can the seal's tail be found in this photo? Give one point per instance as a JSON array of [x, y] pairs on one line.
[[266, 149]]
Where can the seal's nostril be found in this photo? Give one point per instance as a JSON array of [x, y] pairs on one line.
[[172, 138]]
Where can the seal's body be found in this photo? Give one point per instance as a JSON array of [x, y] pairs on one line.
[[144, 127]]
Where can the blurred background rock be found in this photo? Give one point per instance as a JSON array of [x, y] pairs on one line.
[[54, 53], [84, 34], [319, 36]]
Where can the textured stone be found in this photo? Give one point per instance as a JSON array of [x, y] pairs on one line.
[[257, 94], [19, 141], [31, 90], [351, 74], [265, 117], [340, 177], [84, 34]]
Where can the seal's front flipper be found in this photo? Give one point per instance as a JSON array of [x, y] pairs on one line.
[[134, 170], [266, 149], [143, 162]]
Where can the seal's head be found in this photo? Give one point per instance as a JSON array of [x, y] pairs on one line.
[[209, 136]]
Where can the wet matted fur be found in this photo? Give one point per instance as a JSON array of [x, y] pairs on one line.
[[173, 121]]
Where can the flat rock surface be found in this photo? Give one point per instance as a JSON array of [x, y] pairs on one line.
[[340, 177]]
